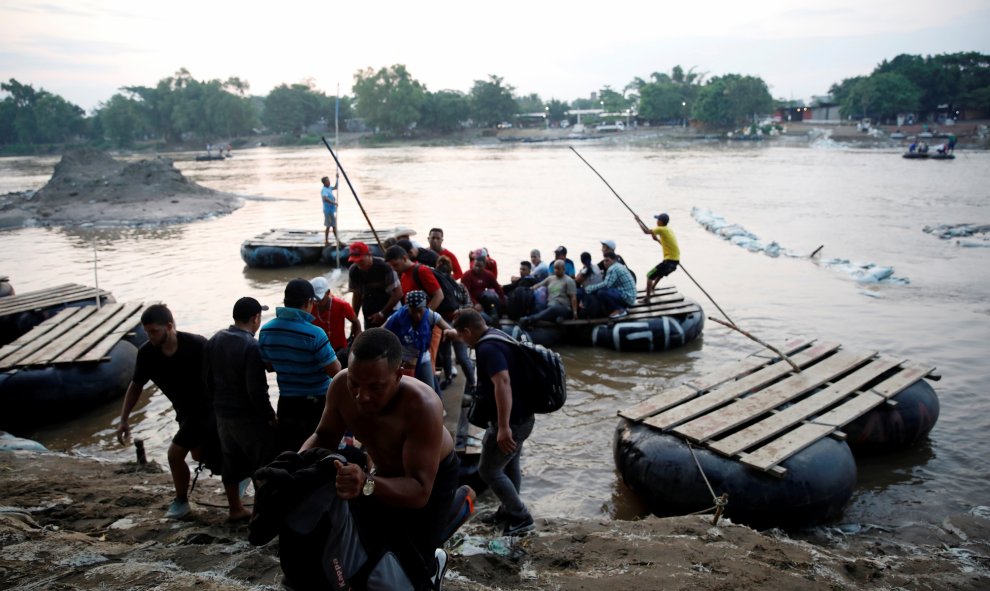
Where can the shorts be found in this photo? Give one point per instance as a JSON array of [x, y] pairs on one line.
[[666, 267], [192, 433], [330, 219], [247, 444]]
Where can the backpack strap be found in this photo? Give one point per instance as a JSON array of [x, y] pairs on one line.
[[498, 335]]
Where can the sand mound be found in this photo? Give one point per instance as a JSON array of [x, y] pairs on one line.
[[95, 175], [90, 187]]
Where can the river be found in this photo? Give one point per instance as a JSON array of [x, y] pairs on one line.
[[861, 205]]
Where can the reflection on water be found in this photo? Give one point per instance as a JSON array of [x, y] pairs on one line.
[[861, 205]]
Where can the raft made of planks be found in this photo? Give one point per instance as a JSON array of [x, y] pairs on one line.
[[666, 301], [760, 412], [74, 335], [289, 238], [59, 295]]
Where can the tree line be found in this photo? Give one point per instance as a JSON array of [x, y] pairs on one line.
[[391, 102]]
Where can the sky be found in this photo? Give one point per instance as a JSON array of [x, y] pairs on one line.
[[86, 50]]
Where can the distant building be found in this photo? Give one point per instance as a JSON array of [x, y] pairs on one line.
[[824, 110]]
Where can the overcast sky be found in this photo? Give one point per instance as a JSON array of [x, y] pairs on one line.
[[85, 50]]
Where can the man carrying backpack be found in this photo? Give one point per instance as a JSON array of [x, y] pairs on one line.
[[501, 377]]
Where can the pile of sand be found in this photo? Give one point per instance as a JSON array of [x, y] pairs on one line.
[[91, 187]]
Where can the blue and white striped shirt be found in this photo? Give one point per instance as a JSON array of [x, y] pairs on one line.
[[298, 350]]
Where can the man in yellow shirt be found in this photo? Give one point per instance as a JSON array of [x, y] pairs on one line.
[[671, 253]]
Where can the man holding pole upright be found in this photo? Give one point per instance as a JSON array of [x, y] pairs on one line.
[[329, 209], [671, 253]]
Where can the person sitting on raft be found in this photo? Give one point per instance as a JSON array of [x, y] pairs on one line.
[[561, 298], [617, 291]]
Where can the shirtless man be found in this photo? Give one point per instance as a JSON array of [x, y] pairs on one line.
[[402, 502]]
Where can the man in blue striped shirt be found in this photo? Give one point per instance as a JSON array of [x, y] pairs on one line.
[[300, 354], [618, 290]]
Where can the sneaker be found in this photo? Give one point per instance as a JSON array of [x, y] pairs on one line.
[[519, 527], [453, 372], [177, 510], [493, 518], [619, 313], [441, 557]]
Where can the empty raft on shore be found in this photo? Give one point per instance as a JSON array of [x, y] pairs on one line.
[[71, 363], [20, 313], [669, 321], [281, 247], [779, 444]]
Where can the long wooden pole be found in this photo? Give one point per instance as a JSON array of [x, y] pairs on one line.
[[336, 179], [643, 226], [353, 192]]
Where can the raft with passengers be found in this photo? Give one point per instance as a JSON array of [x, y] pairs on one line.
[[284, 247]]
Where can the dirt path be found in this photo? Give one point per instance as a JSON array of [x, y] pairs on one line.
[[79, 523]]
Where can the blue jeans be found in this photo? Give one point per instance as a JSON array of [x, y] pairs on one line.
[[551, 313], [460, 352], [611, 300], [501, 471]]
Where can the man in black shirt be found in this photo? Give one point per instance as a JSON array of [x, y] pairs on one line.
[[374, 285], [173, 360], [236, 381]]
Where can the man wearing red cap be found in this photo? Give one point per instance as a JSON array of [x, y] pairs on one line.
[[375, 288]]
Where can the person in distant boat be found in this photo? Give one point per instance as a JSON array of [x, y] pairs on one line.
[[246, 422], [300, 355], [671, 253], [329, 314], [329, 209], [402, 504], [923, 148], [173, 360], [952, 144], [375, 287], [589, 274], [913, 148]]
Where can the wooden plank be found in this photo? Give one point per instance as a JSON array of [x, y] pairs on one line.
[[37, 332], [36, 340], [759, 403], [778, 450], [883, 391], [794, 414], [81, 329], [127, 324], [696, 386], [730, 391], [46, 298], [110, 319]]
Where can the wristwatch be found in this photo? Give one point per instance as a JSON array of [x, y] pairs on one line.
[[369, 484]]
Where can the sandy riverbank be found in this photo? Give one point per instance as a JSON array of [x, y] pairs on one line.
[[78, 523]]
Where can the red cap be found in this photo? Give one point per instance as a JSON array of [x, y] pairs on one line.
[[358, 250]]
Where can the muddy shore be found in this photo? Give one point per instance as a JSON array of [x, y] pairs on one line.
[[70, 522]]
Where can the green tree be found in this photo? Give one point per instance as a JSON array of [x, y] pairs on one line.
[[121, 120], [37, 116], [491, 102], [388, 100], [289, 109], [882, 97], [662, 102], [531, 103], [444, 111], [557, 110], [730, 100], [613, 101]]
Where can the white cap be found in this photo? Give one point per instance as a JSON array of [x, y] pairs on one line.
[[609, 243], [320, 286]]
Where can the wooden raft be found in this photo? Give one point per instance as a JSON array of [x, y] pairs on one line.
[[761, 412], [59, 295], [288, 238], [666, 301], [74, 335]]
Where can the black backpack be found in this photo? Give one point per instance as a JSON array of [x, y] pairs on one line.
[[544, 373], [451, 295]]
